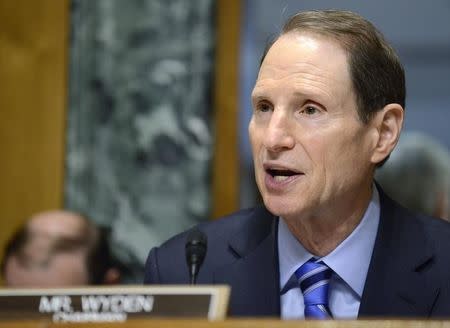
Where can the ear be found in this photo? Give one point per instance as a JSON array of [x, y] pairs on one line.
[[388, 123]]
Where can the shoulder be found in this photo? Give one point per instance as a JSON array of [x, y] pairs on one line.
[[403, 220], [437, 230], [418, 233], [167, 263], [224, 228], [438, 233]]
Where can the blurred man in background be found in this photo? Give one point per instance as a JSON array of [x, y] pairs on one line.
[[418, 175], [58, 249]]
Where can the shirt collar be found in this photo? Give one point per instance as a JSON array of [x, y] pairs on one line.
[[358, 247]]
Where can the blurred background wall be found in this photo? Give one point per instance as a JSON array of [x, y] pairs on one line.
[[135, 112], [33, 98], [111, 109]]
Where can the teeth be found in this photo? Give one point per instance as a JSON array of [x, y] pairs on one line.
[[280, 178]]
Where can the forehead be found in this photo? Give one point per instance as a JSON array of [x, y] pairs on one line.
[[305, 58], [57, 224]]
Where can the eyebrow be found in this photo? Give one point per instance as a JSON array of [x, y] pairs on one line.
[[262, 94], [257, 96], [260, 91]]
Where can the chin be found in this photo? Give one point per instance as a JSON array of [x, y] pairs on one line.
[[281, 207]]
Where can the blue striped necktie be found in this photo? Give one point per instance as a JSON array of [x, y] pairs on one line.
[[314, 278]]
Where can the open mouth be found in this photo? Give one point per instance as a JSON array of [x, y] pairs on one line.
[[281, 174]]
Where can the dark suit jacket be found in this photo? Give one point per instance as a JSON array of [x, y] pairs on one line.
[[409, 273]]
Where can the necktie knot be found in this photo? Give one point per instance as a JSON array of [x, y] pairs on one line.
[[313, 278]]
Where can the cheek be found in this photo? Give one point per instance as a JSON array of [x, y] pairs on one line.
[[257, 152], [255, 141], [72, 269], [252, 133], [347, 156], [333, 153]]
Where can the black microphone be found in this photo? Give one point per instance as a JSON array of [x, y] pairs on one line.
[[195, 252]]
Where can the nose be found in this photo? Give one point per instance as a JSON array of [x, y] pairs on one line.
[[278, 135]]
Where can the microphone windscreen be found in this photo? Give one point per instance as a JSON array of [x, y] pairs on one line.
[[196, 245]]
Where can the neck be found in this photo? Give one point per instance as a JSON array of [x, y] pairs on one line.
[[321, 232]]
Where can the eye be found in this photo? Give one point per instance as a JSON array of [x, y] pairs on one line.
[[263, 106], [310, 110]]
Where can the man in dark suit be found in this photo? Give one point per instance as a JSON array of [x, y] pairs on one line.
[[328, 109]]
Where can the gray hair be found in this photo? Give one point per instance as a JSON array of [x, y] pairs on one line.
[[418, 171]]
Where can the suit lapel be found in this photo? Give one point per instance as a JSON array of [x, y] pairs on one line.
[[399, 283], [254, 276]]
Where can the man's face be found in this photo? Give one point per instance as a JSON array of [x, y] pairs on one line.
[[311, 152], [40, 263], [60, 270]]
